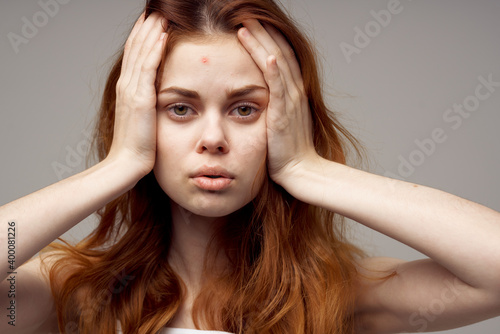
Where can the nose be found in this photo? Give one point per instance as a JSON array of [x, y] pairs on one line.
[[213, 137]]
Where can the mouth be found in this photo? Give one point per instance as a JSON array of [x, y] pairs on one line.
[[212, 178]]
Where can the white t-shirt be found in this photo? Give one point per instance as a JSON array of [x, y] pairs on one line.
[[170, 330], [188, 331]]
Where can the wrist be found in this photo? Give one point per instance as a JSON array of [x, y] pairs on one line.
[[129, 165], [298, 178], [122, 173]]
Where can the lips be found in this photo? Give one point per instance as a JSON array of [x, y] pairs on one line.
[[212, 178]]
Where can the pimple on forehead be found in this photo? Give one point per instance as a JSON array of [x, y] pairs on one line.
[[204, 60]]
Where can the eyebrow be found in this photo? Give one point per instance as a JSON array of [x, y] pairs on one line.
[[243, 91]]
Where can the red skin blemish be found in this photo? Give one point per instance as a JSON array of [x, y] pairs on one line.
[[204, 60]]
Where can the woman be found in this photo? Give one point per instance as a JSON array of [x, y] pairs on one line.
[[220, 172]]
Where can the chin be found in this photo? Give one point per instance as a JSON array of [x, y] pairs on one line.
[[213, 209]]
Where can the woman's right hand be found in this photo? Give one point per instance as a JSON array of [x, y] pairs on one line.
[[46, 214], [134, 138]]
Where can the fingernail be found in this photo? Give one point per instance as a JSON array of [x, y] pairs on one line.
[[272, 60], [244, 32]]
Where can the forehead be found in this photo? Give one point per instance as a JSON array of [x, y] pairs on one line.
[[215, 61]]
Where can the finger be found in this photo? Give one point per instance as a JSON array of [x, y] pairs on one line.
[[276, 109], [139, 38], [288, 53], [147, 77], [293, 95], [254, 48], [149, 43], [257, 51], [272, 47], [128, 43], [136, 47]]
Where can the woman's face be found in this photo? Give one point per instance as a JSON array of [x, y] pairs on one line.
[[211, 146]]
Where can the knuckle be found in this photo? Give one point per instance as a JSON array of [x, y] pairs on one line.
[[126, 93], [128, 45], [279, 93], [302, 90], [256, 50], [296, 97], [121, 85], [281, 124], [135, 42], [278, 53], [146, 67]]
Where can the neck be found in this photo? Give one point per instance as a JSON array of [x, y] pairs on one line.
[[190, 238]]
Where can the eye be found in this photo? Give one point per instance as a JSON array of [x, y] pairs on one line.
[[179, 111], [245, 111]]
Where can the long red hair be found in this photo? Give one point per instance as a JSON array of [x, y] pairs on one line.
[[292, 270]]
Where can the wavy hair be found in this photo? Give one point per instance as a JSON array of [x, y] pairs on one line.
[[291, 268]]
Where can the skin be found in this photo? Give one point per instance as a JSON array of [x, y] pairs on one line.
[[212, 129], [461, 238]]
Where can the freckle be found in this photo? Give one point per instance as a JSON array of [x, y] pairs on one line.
[[204, 60]]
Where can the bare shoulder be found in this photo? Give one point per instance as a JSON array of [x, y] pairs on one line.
[[28, 296]]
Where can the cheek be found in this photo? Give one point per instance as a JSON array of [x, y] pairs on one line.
[[255, 148], [251, 157], [169, 147], [255, 161], [252, 144]]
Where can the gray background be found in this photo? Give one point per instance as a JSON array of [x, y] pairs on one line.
[[395, 91]]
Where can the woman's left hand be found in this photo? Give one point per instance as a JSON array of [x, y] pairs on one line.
[[289, 124]]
